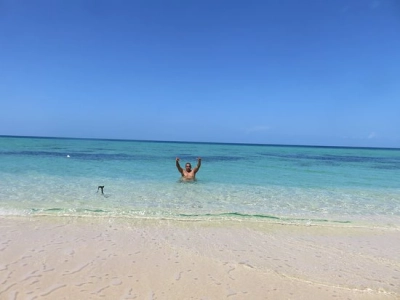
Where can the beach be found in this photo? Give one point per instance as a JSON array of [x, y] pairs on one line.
[[259, 221], [117, 258], [200, 150]]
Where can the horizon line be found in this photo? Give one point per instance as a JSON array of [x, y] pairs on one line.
[[198, 142]]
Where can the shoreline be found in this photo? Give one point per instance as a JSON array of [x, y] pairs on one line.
[[93, 258], [384, 223]]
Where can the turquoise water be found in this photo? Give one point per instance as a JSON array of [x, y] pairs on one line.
[[50, 176]]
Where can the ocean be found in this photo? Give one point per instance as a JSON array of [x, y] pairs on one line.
[[268, 183]]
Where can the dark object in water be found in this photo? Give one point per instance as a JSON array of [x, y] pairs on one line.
[[101, 187]]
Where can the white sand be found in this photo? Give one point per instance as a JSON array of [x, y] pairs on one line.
[[78, 258]]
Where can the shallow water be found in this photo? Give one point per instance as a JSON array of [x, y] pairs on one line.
[[285, 183]]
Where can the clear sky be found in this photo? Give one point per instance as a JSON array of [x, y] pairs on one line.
[[304, 72]]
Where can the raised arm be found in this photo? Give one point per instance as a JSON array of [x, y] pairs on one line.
[[198, 165], [178, 166]]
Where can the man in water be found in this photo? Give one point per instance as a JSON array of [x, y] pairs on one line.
[[188, 173]]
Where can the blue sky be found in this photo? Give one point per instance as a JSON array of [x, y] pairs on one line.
[[305, 72]]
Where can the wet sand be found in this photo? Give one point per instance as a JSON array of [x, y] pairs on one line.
[[99, 258]]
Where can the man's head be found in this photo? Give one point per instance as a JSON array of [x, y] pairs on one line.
[[188, 167]]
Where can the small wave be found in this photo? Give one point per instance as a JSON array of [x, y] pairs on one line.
[[59, 211], [261, 216]]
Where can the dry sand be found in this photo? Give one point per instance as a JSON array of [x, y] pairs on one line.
[[88, 258]]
